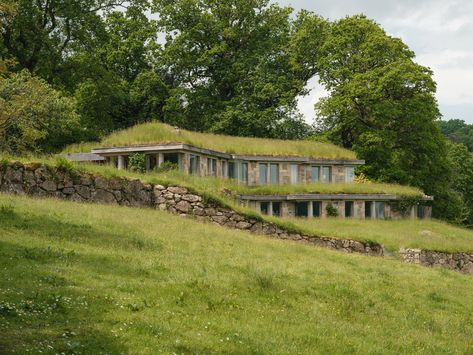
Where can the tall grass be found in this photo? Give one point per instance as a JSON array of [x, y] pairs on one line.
[[154, 132], [92, 279]]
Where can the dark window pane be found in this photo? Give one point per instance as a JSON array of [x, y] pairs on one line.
[[316, 208], [274, 175], [264, 207], [231, 170], [348, 209], [301, 209], [276, 208], [263, 173], [368, 209]]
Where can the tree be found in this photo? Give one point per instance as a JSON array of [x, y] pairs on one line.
[[229, 66], [458, 132], [382, 104], [34, 117]]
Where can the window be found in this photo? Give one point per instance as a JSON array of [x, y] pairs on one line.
[[231, 170], [264, 207], [326, 174], [379, 209], [243, 172], [368, 209], [194, 163], [316, 208], [421, 212], [276, 208], [211, 167], [274, 173], [294, 174], [301, 209], [348, 208], [349, 173], [263, 174], [315, 173]]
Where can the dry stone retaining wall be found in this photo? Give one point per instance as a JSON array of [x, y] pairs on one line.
[[41, 180], [455, 261]]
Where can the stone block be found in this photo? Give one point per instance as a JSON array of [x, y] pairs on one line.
[[177, 190], [183, 206], [103, 196]]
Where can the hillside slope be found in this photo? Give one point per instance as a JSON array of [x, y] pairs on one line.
[[90, 278]]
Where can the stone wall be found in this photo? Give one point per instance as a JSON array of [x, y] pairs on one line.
[[41, 180], [455, 261]]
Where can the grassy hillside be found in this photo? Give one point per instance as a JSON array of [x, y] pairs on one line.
[[88, 279], [392, 234], [156, 132]]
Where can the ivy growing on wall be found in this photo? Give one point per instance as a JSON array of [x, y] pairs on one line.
[[405, 203], [137, 162]]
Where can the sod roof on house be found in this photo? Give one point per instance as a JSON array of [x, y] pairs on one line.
[[160, 133]]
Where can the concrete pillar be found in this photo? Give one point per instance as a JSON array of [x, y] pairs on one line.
[[159, 159], [121, 162], [310, 209], [270, 208]]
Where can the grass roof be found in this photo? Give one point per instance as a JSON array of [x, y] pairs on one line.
[[155, 132]]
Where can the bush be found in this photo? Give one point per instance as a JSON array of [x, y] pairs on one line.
[[331, 211], [137, 162], [167, 166]]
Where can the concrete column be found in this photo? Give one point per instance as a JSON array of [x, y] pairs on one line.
[[310, 209], [159, 159], [121, 162], [270, 208]]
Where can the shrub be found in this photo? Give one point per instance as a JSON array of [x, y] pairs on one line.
[[331, 211], [167, 166], [137, 162]]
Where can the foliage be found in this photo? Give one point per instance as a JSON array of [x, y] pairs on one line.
[[331, 211], [137, 162], [461, 161], [167, 166], [458, 132], [33, 116], [231, 67], [404, 204], [382, 104]]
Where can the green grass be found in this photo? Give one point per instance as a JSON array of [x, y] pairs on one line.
[[102, 279], [149, 133], [392, 234]]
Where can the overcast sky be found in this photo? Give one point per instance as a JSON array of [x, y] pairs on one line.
[[439, 31]]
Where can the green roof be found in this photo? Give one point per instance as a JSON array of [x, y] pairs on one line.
[[160, 133]]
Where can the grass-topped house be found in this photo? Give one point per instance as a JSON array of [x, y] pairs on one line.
[[279, 177]]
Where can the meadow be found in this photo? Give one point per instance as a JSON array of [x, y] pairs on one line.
[[78, 278]]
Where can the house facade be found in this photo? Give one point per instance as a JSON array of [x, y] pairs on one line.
[[257, 170]]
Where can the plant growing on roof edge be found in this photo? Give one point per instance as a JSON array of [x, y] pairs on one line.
[[331, 211], [137, 162]]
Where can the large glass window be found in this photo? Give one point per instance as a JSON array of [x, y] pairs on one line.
[[274, 174], [317, 208], [421, 212], [263, 174], [326, 174], [315, 173], [243, 176], [231, 170], [211, 167], [194, 162], [368, 209], [294, 173], [276, 208], [301, 209], [349, 173], [348, 208], [264, 207], [379, 210]]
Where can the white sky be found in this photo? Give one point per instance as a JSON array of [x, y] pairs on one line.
[[440, 32]]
